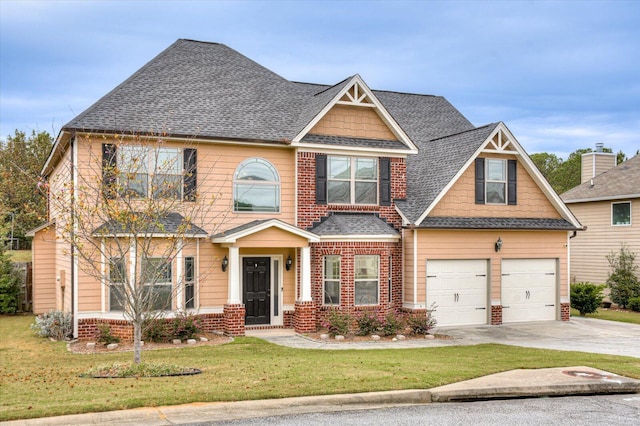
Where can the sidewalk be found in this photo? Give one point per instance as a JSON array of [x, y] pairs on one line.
[[511, 384]]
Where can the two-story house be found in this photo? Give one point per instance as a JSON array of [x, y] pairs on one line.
[[327, 198], [607, 203]]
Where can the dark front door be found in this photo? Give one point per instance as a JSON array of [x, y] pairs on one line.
[[257, 289]]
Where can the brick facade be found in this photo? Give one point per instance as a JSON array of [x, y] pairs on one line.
[[496, 314], [565, 311], [304, 317], [234, 320], [310, 214]]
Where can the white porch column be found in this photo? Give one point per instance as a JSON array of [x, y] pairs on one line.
[[234, 276], [305, 274]]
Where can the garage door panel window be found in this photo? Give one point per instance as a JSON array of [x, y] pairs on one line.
[[367, 279], [621, 214]]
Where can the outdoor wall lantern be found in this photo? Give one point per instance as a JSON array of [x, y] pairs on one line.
[[225, 263], [289, 263], [498, 244]]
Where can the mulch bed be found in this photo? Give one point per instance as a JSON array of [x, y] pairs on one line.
[[80, 346]]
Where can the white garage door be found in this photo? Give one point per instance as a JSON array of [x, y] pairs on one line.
[[459, 290], [528, 290]]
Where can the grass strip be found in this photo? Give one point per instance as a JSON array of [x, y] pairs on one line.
[[40, 378], [610, 314]]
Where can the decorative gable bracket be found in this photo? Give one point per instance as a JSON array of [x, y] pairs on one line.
[[500, 143], [356, 96]]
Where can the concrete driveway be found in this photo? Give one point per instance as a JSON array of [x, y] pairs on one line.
[[579, 334]]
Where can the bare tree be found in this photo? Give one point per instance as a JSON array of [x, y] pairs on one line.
[[135, 205]]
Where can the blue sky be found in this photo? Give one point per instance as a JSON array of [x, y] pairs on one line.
[[561, 75]]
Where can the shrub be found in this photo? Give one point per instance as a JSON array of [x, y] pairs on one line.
[[421, 323], [622, 279], [392, 324], [185, 326], [54, 324], [155, 330], [337, 323], [634, 304], [9, 285], [586, 297], [104, 335], [368, 323]]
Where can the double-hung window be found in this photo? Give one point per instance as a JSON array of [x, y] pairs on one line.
[[117, 281], [621, 214], [157, 282], [150, 172], [331, 280], [352, 180], [496, 184], [367, 279]]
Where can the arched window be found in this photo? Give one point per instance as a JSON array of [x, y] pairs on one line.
[[256, 187]]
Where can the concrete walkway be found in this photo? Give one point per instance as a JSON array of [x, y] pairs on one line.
[[577, 335]]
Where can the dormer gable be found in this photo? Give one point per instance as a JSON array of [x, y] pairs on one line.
[[355, 119]]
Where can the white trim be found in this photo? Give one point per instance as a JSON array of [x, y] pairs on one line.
[[324, 278], [103, 277], [604, 198], [234, 271], [233, 237], [357, 150], [76, 284], [409, 305], [143, 235], [384, 115], [305, 274], [179, 285], [415, 267], [526, 162], [630, 214]]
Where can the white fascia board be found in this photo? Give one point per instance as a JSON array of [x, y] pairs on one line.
[[381, 110], [233, 237], [52, 153], [356, 150], [125, 235], [360, 238], [604, 198], [405, 220]]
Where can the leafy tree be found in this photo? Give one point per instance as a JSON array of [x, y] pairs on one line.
[[21, 159], [586, 297], [623, 280], [9, 284], [546, 163], [130, 221]]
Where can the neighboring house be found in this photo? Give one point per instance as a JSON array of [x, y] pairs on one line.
[[368, 201], [607, 203]]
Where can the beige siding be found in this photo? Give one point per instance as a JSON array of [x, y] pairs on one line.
[[213, 284], [409, 262], [590, 248], [460, 199], [594, 163], [272, 237], [433, 244], [354, 122], [44, 268]]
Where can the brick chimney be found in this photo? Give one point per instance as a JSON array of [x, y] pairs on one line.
[[596, 162]]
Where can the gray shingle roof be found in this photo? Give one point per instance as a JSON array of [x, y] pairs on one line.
[[622, 181], [496, 223], [355, 142], [170, 224], [353, 224], [240, 228], [436, 164]]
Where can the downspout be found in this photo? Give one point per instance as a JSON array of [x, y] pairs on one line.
[[74, 261]]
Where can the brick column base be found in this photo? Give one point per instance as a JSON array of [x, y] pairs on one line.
[[496, 314], [234, 320], [304, 317], [565, 311]]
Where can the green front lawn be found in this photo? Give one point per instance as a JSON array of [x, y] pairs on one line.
[[41, 378], [612, 315]]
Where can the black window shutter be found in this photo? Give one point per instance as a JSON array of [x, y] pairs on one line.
[[190, 182], [479, 180], [385, 182], [321, 179], [109, 164], [512, 179]]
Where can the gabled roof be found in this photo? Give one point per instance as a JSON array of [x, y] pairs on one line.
[[231, 236], [443, 160], [169, 224], [355, 225], [620, 182]]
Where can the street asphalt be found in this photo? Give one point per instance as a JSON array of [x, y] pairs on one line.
[[579, 334]]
